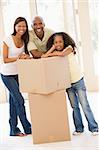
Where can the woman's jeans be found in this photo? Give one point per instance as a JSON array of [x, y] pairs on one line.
[[16, 105], [76, 94]]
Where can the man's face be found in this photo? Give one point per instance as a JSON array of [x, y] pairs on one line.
[[38, 26]]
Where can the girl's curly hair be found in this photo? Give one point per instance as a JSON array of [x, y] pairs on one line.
[[66, 38]]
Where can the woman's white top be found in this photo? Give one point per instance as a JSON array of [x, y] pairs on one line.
[[11, 67]]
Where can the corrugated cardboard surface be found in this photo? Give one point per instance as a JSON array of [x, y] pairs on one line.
[[49, 117], [45, 75]]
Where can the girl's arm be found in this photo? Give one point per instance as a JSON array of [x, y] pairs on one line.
[[67, 51], [55, 53], [47, 54], [51, 50]]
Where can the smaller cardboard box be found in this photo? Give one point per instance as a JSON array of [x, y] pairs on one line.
[[49, 117], [43, 76]]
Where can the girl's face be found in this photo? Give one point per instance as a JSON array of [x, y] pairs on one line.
[[21, 28], [58, 42]]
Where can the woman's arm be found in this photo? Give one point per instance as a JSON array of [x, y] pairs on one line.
[[6, 59], [24, 56]]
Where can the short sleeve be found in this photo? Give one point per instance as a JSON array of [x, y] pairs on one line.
[[31, 46]]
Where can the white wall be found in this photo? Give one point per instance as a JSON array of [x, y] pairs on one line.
[[92, 81]]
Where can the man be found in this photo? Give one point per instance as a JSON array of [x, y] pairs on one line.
[[38, 37]]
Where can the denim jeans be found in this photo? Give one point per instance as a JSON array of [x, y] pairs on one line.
[[16, 105], [77, 94]]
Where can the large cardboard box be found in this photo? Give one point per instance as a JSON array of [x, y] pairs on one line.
[[49, 117], [45, 75]]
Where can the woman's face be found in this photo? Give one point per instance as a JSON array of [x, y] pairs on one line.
[[20, 28], [58, 42]]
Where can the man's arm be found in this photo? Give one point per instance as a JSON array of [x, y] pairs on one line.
[[33, 50], [36, 54]]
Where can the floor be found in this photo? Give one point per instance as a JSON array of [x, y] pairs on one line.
[[82, 142]]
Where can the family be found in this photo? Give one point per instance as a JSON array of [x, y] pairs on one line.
[[42, 42]]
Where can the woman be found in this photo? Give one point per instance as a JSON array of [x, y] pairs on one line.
[[15, 47]]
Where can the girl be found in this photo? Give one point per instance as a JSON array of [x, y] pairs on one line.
[[15, 47], [61, 44]]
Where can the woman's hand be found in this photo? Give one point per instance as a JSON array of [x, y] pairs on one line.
[[24, 56]]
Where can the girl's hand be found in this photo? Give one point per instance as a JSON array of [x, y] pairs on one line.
[[53, 47], [46, 55]]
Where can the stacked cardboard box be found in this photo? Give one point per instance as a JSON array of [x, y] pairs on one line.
[[45, 80]]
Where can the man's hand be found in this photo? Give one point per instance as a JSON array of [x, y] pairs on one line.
[[36, 54]]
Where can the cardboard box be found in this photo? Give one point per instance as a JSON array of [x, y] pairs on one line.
[[49, 117], [45, 75]]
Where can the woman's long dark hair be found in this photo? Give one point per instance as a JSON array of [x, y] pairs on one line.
[[66, 38], [25, 36]]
